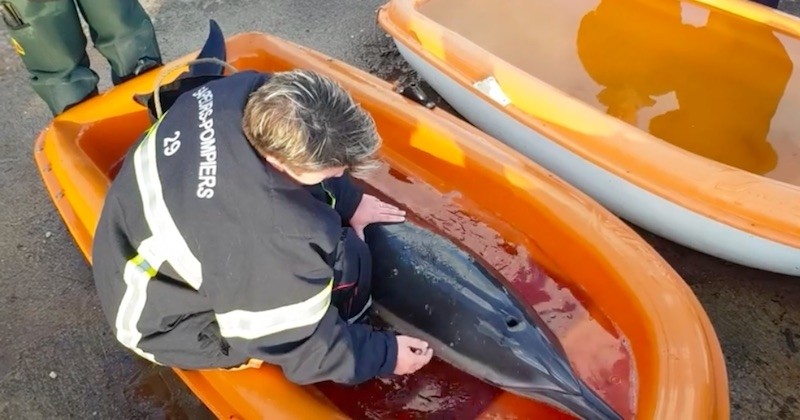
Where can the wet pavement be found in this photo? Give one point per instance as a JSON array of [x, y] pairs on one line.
[[58, 358]]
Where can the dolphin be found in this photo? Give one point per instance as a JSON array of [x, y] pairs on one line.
[[425, 286]]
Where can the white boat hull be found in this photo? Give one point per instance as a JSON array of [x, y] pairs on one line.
[[628, 201]]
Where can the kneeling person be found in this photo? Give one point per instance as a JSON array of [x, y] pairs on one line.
[[233, 233]]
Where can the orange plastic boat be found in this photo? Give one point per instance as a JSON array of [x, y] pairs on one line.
[[632, 328], [679, 116]]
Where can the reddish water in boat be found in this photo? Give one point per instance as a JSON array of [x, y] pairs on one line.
[[596, 350]]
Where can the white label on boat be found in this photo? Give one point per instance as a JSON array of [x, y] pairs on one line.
[[694, 15], [491, 88]]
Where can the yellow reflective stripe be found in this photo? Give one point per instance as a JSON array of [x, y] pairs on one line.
[[250, 325], [157, 215], [140, 261], [330, 194], [137, 274]]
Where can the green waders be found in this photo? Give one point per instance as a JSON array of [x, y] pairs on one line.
[[47, 35]]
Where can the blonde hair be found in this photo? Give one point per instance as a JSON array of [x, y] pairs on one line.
[[308, 123]]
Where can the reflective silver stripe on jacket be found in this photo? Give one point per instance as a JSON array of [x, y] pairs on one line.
[[250, 325], [137, 274], [165, 244], [159, 220]]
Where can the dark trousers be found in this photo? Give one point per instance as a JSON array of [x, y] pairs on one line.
[[50, 41]]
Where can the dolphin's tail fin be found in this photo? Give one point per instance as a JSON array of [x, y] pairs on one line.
[[199, 73], [214, 47]]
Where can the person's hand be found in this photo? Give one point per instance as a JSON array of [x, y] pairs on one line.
[[412, 354], [373, 210]]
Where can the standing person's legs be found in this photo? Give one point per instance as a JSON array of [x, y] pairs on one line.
[[48, 37], [123, 32]]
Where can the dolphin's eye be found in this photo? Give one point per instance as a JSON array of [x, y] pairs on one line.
[[512, 322]]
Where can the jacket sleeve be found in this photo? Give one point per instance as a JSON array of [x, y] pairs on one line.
[[347, 193], [285, 318], [336, 351]]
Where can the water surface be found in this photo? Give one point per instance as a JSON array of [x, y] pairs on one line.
[[709, 82]]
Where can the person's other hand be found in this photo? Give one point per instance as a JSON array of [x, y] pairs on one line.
[[373, 210], [412, 354]]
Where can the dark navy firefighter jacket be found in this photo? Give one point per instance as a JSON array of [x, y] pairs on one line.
[[205, 256]]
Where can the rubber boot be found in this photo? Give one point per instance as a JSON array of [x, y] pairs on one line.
[[123, 33], [48, 37]]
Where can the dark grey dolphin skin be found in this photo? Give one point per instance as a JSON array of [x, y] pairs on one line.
[[426, 287]]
